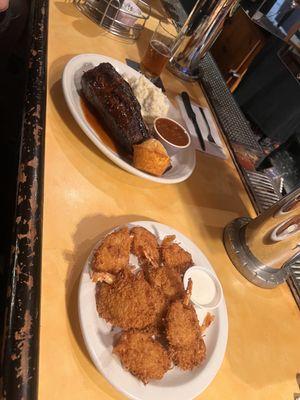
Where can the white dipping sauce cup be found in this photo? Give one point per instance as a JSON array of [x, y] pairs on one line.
[[213, 283], [170, 147]]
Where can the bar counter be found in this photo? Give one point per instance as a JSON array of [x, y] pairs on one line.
[[86, 194]]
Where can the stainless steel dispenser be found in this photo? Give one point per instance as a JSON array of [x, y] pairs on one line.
[[263, 248], [197, 35]]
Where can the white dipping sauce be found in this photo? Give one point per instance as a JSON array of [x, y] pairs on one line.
[[204, 288]]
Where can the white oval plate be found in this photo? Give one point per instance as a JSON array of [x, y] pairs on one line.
[[176, 384], [183, 163]]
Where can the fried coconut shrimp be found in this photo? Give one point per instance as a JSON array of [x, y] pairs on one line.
[[142, 355], [168, 280], [186, 346], [173, 256], [112, 255], [144, 245], [129, 302], [186, 358]]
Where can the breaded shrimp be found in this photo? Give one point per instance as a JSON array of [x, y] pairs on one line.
[[183, 332], [130, 301], [142, 355], [183, 326], [168, 280], [186, 358], [144, 246], [173, 256], [113, 253]]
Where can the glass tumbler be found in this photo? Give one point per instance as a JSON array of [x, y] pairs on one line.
[[159, 50]]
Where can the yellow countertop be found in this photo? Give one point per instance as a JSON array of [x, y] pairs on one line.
[[86, 194]]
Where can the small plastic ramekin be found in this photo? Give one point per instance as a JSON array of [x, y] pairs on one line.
[[170, 147], [219, 291]]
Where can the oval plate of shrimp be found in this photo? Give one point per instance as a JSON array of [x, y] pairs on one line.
[[139, 325]]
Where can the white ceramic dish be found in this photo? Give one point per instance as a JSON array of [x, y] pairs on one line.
[[183, 163], [176, 384], [171, 148], [218, 296]]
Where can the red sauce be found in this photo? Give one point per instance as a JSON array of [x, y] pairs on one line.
[[172, 132]]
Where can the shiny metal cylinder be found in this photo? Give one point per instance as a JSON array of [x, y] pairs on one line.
[[197, 35], [274, 236], [263, 248]]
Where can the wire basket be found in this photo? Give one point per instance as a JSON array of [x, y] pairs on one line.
[[125, 18]]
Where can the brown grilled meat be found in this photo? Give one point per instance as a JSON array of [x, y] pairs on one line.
[[142, 355], [130, 302], [114, 102]]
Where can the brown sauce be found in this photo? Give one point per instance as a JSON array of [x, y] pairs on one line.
[[98, 127], [172, 132]]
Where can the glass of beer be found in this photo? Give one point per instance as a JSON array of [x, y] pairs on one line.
[[159, 50]]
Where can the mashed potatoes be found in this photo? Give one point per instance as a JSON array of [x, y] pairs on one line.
[[152, 100]]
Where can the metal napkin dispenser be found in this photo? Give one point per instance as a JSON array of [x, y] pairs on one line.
[[197, 35], [263, 248]]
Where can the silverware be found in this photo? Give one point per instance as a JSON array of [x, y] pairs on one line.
[[209, 136], [192, 116]]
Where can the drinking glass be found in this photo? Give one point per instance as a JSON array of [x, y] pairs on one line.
[[159, 50]]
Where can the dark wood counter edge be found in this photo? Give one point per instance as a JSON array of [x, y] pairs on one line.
[[19, 360]]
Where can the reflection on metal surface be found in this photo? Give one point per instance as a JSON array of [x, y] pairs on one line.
[[263, 249], [197, 35], [294, 280]]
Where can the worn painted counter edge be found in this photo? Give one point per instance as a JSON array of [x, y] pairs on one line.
[[20, 346]]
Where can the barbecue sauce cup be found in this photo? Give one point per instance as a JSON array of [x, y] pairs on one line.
[[171, 134]]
